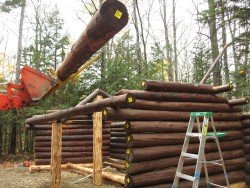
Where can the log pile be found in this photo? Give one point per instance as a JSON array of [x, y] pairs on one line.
[[149, 134], [246, 132], [77, 141]]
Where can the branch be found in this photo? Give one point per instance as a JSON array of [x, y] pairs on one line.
[[204, 79]]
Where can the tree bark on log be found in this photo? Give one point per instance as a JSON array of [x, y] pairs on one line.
[[147, 166], [72, 143], [246, 131], [118, 156], [89, 108], [246, 115], [115, 150], [173, 126], [247, 139], [237, 102], [118, 145], [118, 139], [165, 176], [174, 96], [233, 177], [149, 115], [247, 157], [153, 85], [184, 106], [247, 167], [246, 148], [157, 152]]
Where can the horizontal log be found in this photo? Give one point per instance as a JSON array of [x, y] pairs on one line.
[[117, 124], [157, 152], [233, 177], [71, 132], [147, 166], [246, 131], [174, 96], [118, 156], [118, 139], [150, 115], [222, 88], [246, 139], [184, 106], [237, 102], [115, 150], [246, 123], [118, 145], [72, 149], [118, 134], [246, 148], [69, 138], [167, 176], [72, 143], [161, 139], [107, 175], [88, 108], [40, 168], [68, 160], [173, 126], [117, 129], [47, 155], [246, 115], [153, 85]]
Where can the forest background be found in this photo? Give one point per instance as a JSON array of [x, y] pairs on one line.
[[166, 40]]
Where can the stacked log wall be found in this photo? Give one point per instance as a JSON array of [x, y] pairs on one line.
[[77, 141], [246, 132], [155, 127]]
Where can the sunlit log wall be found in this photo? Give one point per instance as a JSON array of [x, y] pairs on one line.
[[246, 132], [149, 134], [77, 141]]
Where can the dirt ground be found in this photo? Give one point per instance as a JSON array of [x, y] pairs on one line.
[[14, 175]]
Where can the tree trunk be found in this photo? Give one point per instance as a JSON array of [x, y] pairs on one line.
[[1, 138], [13, 133], [214, 42], [19, 46], [175, 44]]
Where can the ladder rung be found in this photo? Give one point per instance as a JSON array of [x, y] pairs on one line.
[[184, 176], [190, 155], [214, 184], [194, 134]]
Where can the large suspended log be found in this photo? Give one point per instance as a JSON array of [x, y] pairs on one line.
[[165, 176], [147, 166], [72, 149], [152, 85], [233, 177], [157, 152], [150, 115], [88, 108], [71, 132], [107, 21], [47, 155], [174, 96], [173, 126], [237, 102], [75, 143], [68, 160], [184, 106], [161, 139]]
